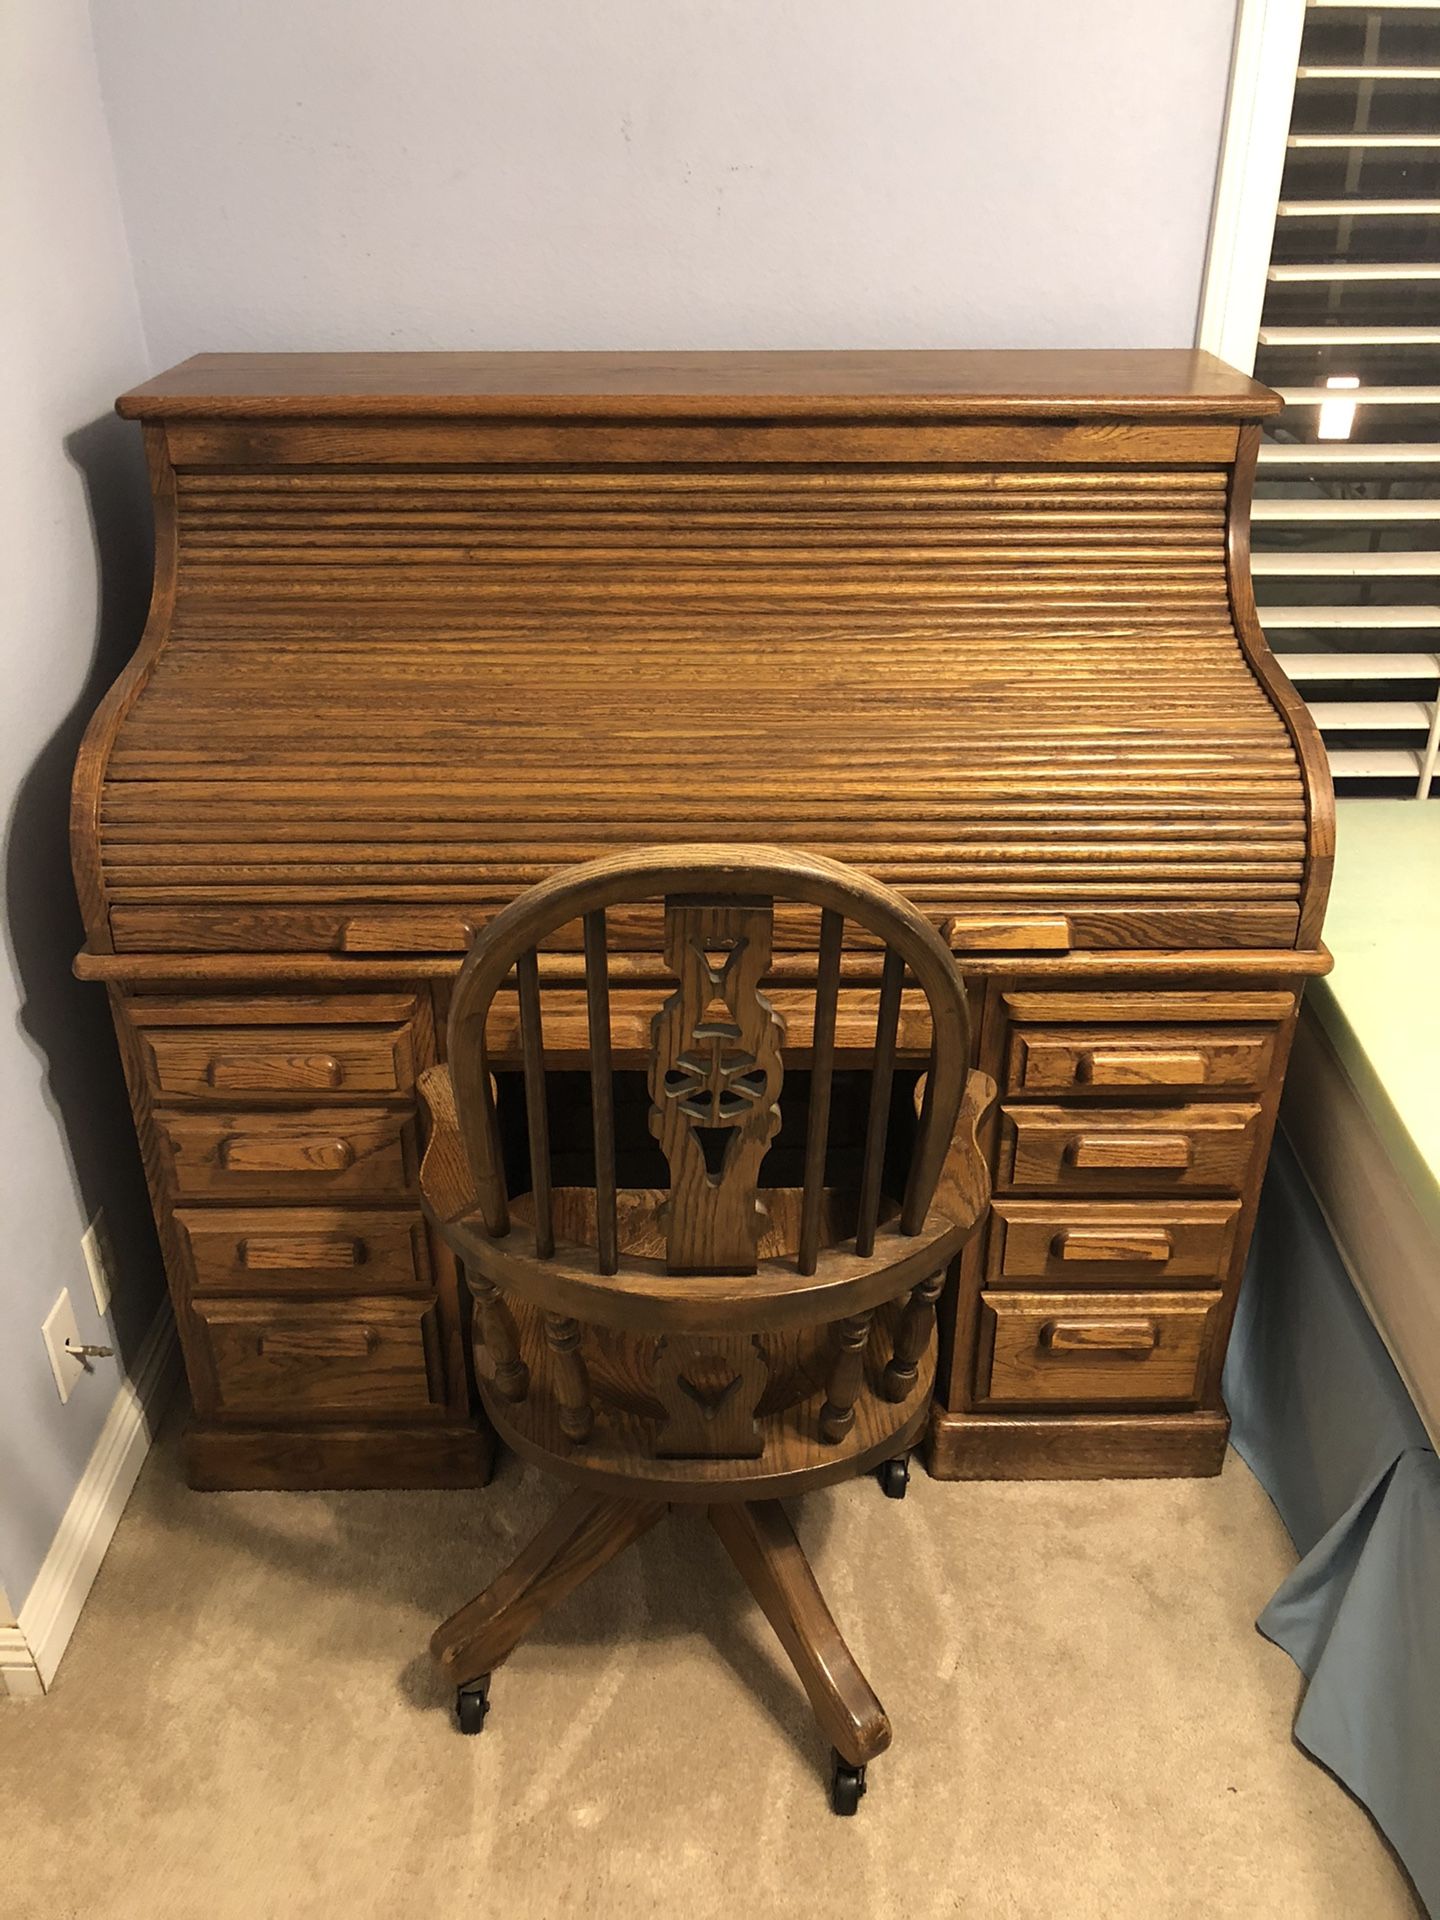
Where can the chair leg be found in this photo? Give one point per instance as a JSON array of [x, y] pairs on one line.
[[588, 1530], [760, 1540]]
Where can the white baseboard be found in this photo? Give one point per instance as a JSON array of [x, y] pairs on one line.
[[19, 1675], [47, 1618]]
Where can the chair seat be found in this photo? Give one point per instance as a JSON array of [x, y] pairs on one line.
[[640, 1236], [643, 1293]]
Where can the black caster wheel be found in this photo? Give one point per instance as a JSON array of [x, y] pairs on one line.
[[472, 1703], [895, 1477], [847, 1785]]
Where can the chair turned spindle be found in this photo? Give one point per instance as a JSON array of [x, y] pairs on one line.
[[572, 1377], [537, 1122], [500, 1340], [912, 1337], [822, 1080], [716, 1341], [877, 1125], [602, 1089], [847, 1374]]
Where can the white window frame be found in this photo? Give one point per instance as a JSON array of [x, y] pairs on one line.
[[1247, 188]]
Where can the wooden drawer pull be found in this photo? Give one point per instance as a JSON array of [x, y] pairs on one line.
[[1113, 1243], [422, 933], [242, 1072], [318, 1343], [1129, 1150], [282, 1253], [256, 1153], [1099, 1336], [1034, 933], [1105, 1066]]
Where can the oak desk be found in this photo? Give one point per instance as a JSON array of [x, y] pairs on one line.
[[427, 625]]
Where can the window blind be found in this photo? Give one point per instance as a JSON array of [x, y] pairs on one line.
[[1346, 326]]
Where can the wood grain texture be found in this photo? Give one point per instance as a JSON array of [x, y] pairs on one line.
[[760, 1540], [623, 1453], [586, 1532], [308, 1154], [1134, 1235], [943, 383], [327, 769], [847, 1376], [304, 1250], [1309, 748], [679, 1371], [302, 1060], [642, 1293], [711, 1389], [92, 761], [1167, 1004], [823, 1024], [574, 1407], [1094, 602], [1105, 1060], [1077, 1446], [375, 1453], [288, 1360], [716, 874], [1142, 1149], [1102, 1242], [714, 1074], [1116, 970], [321, 445], [602, 1087], [1131, 1349]]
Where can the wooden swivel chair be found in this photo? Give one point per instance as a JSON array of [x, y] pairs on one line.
[[714, 1341]]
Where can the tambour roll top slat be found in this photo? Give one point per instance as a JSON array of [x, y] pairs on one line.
[[428, 631]]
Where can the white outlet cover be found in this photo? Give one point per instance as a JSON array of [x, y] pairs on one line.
[[59, 1326], [99, 1252]]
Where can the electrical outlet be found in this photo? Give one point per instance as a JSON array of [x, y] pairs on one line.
[[99, 1251], [59, 1327]]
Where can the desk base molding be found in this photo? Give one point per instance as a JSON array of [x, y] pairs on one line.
[[1072, 1446], [290, 1460]]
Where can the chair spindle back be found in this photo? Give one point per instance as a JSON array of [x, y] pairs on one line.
[[715, 1059]]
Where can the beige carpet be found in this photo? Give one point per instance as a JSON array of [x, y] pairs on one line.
[[1086, 1721]]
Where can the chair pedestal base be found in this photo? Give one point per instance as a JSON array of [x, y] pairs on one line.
[[583, 1535], [759, 1538], [590, 1529]]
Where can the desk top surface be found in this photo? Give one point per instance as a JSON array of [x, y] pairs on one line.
[[941, 384]]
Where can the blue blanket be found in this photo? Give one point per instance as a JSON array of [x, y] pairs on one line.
[[1324, 1421]]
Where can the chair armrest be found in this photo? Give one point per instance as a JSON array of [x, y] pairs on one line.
[[962, 1192], [447, 1185]]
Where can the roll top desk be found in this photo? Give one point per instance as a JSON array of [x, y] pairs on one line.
[[426, 626]]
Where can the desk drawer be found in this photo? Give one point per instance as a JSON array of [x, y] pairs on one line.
[[1127, 1150], [293, 1358], [301, 1155], [1093, 1349], [1105, 1243], [304, 1250], [221, 1061], [1133, 1059]]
